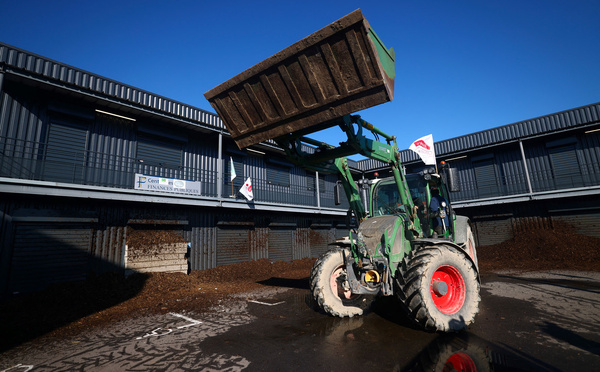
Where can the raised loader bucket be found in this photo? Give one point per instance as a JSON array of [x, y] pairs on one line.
[[341, 69]]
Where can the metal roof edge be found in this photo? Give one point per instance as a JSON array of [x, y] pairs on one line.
[[24, 63], [530, 128]]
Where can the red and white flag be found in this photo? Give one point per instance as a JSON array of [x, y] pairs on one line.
[[424, 147], [246, 190]]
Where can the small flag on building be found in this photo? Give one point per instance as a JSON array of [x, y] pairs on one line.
[[424, 147], [246, 190], [233, 175]]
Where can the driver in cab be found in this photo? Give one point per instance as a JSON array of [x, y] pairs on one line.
[[437, 208]]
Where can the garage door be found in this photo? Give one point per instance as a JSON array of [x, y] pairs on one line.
[[46, 253], [280, 244], [233, 244], [584, 222], [319, 240]]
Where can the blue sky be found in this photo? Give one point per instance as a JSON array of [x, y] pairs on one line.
[[461, 66]]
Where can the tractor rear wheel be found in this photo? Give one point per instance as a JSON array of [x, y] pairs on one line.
[[330, 288], [439, 288]]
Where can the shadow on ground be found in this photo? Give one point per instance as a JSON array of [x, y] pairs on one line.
[[28, 316], [286, 283]]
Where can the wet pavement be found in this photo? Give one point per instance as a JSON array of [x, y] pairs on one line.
[[527, 322]]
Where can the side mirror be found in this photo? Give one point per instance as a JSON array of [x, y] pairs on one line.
[[337, 193], [452, 180]]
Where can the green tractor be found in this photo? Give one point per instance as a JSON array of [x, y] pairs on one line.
[[409, 243]]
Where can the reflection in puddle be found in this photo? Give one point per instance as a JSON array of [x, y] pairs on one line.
[[454, 353], [467, 353]]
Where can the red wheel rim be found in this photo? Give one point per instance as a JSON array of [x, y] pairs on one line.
[[447, 289], [461, 362], [333, 283]]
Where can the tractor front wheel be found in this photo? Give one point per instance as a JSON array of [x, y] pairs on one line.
[[439, 288], [330, 288]]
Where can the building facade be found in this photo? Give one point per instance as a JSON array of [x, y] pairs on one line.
[[85, 161]]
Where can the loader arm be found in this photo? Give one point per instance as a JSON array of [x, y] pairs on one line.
[[330, 159]]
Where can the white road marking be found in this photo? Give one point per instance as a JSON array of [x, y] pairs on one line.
[[192, 321], [18, 368], [266, 303]]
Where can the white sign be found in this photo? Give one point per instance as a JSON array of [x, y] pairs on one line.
[[153, 183]]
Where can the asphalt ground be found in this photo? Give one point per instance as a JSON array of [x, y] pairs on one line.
[[527, 322]]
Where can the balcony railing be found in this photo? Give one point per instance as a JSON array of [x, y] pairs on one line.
[[542, 180], [32, 161]]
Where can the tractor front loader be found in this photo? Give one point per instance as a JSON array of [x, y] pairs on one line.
[[315, 84]]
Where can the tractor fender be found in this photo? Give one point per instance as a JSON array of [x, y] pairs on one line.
[[463, 236], [461, 226]]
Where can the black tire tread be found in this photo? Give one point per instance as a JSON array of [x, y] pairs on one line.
[[319, 282], [410, 278]]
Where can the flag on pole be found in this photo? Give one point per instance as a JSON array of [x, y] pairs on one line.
[[233, 175], [424, 147], [246, 190]]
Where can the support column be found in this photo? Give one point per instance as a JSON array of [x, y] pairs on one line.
[[525, 167], [220, 167], [1, 81], [318, 191]]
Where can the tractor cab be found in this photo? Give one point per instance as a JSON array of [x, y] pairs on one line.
[[424, 187]]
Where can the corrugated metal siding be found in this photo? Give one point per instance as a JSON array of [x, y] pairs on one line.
[[589, 153], [46, 253], [20, 132], [522, 129], [111, 150], [341, 232], [6, 243], [320, 237], [254, 167], [65, 143], [468, 183], [301, 240], [565, 166], [512, 170], [280, 244], [202, 236], [502, 173], [107, 248], [19, 61], [233, 245], [540, 171], [259, 243], [303, 182], [585, 222], [326, 186], [21, 118], [200, 160]]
